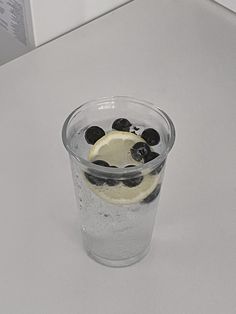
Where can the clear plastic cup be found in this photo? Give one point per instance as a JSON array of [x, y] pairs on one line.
[[117, 219]]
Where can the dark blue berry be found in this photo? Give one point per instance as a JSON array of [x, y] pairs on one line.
[[101, 163], [151, 136], [112, 182], [150, 157], [96, 180], [93, 134], [121, 124], [139, 151], [134, 181], [151, 197]]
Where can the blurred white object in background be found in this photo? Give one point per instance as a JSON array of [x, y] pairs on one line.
[[230, 4], [36, 22], [10, 48], [31, 23]]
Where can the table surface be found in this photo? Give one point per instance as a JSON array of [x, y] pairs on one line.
[[178, 54]]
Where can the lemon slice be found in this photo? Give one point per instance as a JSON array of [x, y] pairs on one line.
[[114, 148]]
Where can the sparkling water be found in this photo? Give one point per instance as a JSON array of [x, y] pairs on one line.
[[111, 231]]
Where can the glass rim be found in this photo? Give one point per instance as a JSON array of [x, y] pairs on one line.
[[118, 172]]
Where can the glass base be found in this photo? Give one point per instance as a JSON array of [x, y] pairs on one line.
[[118, 263]]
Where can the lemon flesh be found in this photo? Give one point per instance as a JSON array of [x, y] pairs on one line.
[[114, 148]]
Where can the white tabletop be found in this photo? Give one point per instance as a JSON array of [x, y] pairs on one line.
[[178, 54]]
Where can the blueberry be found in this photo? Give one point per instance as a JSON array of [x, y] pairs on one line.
[[151, 136], [150, 156], [139, 151], [121, 124], [101, 163], [96, 180], [151, 197], [134, 181], [112, 182], [93, 134]]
